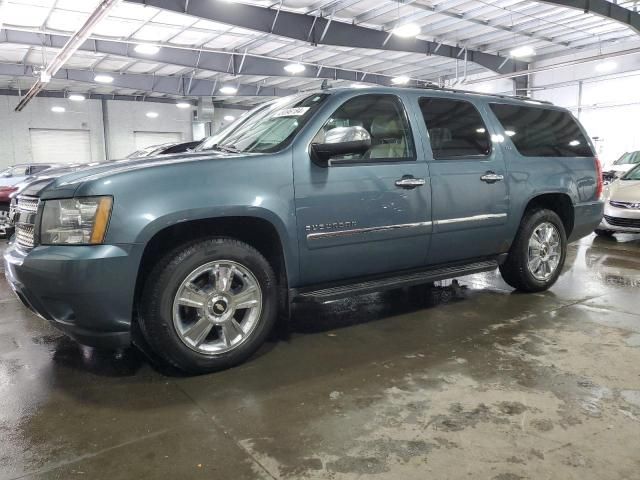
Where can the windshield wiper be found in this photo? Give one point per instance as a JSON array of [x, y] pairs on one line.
[[228, 148]]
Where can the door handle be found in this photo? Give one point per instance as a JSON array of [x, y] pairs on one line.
[[492, 177], [410, 182]]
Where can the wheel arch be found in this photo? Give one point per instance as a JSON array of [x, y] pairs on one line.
[[558, 202]]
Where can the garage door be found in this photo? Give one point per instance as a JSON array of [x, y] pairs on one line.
[[60, 146], [147, 139]]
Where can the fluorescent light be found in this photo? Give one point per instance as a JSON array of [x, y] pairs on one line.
[[76, 97], [294, 68], [524, 51], [606, 66], [58, 109], [401, 80], [152, 114], [574, 143], [480, 130], [407, 30], [101, 78], [510, 133], [229, 118], [228, 90], [183, 105], [147, 49]]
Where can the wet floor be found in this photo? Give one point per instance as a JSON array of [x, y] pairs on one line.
[[401, 385]]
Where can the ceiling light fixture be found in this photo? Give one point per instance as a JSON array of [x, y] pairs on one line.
[[524, 51], [58, 109], [101, 78], [401, 80], [183, 105], [407, 30], [229, 118], [228, 90], [76, 97], [146, 49], [152, 114], [294, 68], [606, 66]]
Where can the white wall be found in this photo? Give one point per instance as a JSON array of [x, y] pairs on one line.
[[124, 118], [218, 122], [609, 104], [15, 140]]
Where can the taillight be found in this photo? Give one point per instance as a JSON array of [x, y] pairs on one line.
[[599, 179]]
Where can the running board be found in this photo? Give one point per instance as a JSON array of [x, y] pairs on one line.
[[388, 283]]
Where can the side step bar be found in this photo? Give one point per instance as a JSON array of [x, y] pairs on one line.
[[388, 283]]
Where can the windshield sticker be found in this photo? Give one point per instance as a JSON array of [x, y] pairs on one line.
[[291, 112]]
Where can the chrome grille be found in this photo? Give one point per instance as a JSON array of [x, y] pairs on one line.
[[24, 218], [25, 235], [623, 222]]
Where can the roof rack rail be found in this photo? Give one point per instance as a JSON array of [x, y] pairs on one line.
[[433, 86]]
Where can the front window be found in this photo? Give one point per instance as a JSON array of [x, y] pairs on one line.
[[272, 128]]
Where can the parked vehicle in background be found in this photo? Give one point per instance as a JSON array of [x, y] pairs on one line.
[[10, 178], [621, 166], [164, 149], [622, 205], [319, 196]]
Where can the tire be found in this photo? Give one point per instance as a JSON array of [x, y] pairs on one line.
[[197, 284], [516, 271], [603, 233]]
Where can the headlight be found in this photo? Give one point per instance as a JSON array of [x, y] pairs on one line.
[[75, 220]]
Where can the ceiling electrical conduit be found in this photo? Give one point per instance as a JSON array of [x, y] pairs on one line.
[[74, 43]]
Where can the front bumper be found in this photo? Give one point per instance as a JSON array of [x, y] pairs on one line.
[[85, 291], [622, 220]]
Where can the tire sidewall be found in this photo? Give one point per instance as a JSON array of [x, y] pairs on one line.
[[160, 327]]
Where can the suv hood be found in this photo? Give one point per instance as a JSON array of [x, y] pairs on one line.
[[66, 180]]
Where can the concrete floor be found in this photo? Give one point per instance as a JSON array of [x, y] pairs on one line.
[[496, 385]]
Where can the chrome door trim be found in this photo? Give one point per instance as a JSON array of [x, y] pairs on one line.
[[475, 218], [358, 231]]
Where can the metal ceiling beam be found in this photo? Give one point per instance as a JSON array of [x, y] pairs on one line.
[[324, 31], [602, 8], [223, 62], [175, 86]]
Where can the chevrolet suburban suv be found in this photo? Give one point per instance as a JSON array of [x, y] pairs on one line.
[[315, 197]]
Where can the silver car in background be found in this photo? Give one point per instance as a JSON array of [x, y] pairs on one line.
[[622, 205]]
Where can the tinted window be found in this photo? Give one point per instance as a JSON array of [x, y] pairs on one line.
[[542, 132], [455, 128], [384, 118]]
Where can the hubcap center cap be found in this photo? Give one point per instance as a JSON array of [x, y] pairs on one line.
[[218, 306]]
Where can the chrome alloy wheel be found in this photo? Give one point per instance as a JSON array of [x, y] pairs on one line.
[[217, 307], [544, 251]]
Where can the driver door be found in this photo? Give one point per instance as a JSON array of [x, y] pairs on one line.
[[365, 212]]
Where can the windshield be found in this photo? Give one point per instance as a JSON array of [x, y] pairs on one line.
[[633, 174], [273, 127], [630, 158]]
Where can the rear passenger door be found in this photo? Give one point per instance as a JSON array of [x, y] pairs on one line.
[[470, 198]]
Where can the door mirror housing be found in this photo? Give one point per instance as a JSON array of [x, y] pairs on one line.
[[341, 141]]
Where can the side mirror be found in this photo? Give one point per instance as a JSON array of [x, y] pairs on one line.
[[341, 141]]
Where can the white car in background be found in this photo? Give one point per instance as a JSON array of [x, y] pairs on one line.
[[621, 166], [622, 205]]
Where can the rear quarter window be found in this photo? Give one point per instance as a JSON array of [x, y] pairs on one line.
[[542, 132]]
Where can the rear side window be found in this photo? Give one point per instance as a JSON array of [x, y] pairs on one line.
[[542, 132], [456, 129]]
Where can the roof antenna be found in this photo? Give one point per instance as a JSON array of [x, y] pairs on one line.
[[324, 85]]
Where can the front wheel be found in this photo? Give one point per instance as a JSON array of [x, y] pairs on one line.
[[538, 252], [209, 305]]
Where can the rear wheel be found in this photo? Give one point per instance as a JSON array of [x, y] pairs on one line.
[[209, 305], [538, 252]]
